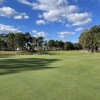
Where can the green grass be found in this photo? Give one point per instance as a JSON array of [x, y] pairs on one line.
[[71, 75]]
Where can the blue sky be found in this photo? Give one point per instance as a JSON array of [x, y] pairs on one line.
[[53, 19]]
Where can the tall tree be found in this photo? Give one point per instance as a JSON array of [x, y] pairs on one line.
[[11, 41], [90, 39], [51, 44], [68, 46], [20, 41]]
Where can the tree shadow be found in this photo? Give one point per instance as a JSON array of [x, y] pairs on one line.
[[10, 66]]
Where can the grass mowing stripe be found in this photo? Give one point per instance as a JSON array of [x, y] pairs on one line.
[[68, 76]]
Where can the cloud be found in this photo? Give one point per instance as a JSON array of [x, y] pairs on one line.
[[83, 0], [83, 22], [39, 22], [59, 11], [65, 34], [8, 29], [10, 12], [26, 2], [79, 29], [79, 18], [39, 34], [21, 16]]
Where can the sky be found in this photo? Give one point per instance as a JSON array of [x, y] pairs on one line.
[[53, 19]]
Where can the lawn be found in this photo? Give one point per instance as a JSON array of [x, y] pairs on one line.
[[70, 75]]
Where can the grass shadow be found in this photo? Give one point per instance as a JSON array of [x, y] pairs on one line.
[[10, 66]]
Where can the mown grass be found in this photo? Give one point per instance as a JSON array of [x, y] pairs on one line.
[[72, 75]]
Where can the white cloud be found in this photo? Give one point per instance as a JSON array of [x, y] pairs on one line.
[[34, 31], [21, 16], [8, 29], [39, 34], [65, 34], [78, 19], [79, 29], [39, 22], [43, 34], [84, 22], [26, 2], [18, 17], [83, 0], [74, 17], [7, 12], [59, 11], [26, 17], [10, 12]]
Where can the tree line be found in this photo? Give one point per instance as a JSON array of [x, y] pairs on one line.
[[90, 39], [27, 42]]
